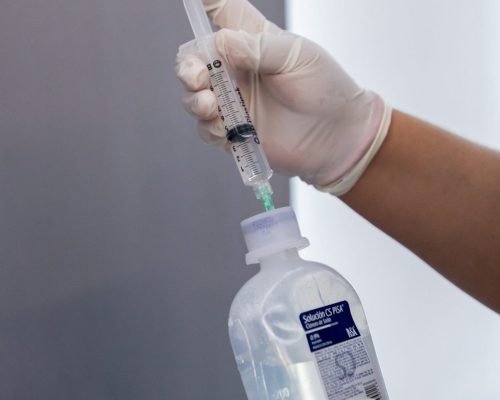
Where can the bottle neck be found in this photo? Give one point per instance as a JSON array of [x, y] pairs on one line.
[[282, 259]]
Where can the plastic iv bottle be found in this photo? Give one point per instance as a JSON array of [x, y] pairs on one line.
[[297, 328]]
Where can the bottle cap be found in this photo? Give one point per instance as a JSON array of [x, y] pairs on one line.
[[271, 232]]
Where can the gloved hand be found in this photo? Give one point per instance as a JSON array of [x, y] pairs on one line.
[[311, 117]]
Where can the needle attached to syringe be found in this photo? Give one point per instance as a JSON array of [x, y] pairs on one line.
[[240, 132]]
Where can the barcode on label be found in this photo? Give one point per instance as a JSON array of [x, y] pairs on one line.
[[371, 390]]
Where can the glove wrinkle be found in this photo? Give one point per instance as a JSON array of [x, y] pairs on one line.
[[213, 8], [293, 57]]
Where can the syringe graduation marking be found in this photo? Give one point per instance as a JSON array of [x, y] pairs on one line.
[[252, 167], [224, 95]]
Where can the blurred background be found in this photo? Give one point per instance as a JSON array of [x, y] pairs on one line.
[[120, 249]]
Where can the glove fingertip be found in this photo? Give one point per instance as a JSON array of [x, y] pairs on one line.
[[201, 104], [212, 132], [192, 72]]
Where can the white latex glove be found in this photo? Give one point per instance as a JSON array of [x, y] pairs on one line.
[[311, 117]]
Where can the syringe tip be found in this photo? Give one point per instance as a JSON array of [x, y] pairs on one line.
[[264, 193]]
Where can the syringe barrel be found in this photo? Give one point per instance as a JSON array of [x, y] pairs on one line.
[[240, 131], [241, 134]]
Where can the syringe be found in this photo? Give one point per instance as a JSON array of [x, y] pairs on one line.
[[240, 132]]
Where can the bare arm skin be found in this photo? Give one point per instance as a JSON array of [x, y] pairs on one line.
[[438, 195]]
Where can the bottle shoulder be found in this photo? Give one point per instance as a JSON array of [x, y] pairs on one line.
[[298, 284]]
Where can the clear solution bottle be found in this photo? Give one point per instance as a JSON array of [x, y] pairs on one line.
[[297, 328]]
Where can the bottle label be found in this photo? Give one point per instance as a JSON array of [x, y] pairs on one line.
[[340, 351]]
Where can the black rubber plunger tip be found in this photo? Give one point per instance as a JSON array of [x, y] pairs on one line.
[[240, 133]]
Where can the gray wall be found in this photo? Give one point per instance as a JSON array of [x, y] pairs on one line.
[[120, 248]]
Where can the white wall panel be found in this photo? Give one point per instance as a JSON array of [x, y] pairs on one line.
[[439, 60]]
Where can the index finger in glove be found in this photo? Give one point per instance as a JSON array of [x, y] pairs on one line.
[[191, 71], [238, 15]]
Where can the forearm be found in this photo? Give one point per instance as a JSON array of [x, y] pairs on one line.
[[439, 196]]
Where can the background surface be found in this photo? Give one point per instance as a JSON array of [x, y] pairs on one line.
[[438, 60], [120, 248]]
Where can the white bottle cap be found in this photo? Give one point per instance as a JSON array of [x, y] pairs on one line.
[[271, 232]]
